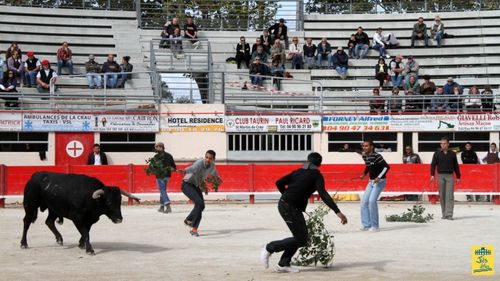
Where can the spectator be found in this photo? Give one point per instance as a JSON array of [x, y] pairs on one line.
[[97, 157], [340, 62], [309, 53], [110, 68], [46, 78], [191, 32], [413, 85], [389, 39], [456, 99], [166, 161], [2, 65], [381, 71], [257, 71], [469, 156], [16, 65], [412, 104], [446, 163], [257, 43], [473, 100], [261, 54], [12, 48], [243, 52], [126, 67], [168, 32], [351, 44], [64, 59], [410, 157], [487, 98], [496, 102], [382, 148], [492, 156], [419, 32], [324, 52], [411, 68], [378, 43], [9, 86], [278, 71], [394, 102], [93, 70], [176, 44], [396, 68], [450, 84], [278, 51], [376, 102], [295, 53], [31, 67], [265, 40], [437, 31], [346, 148], [362, 44], [279, 31], [439, 103], [427, 89]]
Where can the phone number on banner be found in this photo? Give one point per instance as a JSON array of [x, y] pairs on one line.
[[355, 128]]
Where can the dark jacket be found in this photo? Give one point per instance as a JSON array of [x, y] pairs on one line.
[[261, 68], [110, 66], [91, 159], [362, 38], [309, 51], [167, 161], [274, 30], [298, 186], [245, 47], [469, 157], [377, 69], [324, 50], [340, 59], [446, 163]]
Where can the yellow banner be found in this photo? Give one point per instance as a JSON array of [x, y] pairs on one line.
[[483, 260]]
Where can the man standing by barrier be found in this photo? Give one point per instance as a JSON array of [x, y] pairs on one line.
[[295, 189], [377, 168], [194, 177], [469, 156], [446, 163]]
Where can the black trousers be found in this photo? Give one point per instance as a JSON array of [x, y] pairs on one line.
[[297, 225], [194, 194]]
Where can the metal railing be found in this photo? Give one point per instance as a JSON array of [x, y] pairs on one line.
[[180, 56], [120, 5], [100, 99]]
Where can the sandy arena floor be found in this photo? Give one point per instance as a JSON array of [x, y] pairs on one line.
[[153, 246]]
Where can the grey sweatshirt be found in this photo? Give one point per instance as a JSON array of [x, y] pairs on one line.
[[197, 173]]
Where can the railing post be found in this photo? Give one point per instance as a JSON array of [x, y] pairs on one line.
[[138, 12], [131, 185], [251, 167], [3, 185], [223, 88]]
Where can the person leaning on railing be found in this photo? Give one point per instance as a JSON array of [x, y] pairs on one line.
[[487, 99], [472, 102], [46, 78], [394, 102], [439, 103]]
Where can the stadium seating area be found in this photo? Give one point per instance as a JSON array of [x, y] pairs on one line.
[[471, 57]]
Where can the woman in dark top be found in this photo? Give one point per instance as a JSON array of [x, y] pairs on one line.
[[381, 72], [9, 85]]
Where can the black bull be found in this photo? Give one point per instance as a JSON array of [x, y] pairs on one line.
[[80, 198]]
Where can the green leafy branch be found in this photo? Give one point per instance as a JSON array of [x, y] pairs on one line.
[[416, 214], [157, 168], [210, 183], [320, 247]]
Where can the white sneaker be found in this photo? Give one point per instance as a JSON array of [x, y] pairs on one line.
[[286, 269], [364, 228], [387, 56], [264, 256], [373, 229]]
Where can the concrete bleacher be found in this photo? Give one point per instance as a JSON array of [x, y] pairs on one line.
[[96, 32]]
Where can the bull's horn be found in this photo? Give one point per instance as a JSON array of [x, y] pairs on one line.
[[129, 195], [97, 193]]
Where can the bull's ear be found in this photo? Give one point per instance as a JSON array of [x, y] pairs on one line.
[[97, 193]]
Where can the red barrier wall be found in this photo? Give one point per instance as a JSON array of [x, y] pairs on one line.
[[261, 178]]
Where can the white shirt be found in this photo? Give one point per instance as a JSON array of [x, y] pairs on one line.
[[295, 49], [377, 39], [97, 159]]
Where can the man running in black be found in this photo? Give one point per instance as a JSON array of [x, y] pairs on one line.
[[296, 188]]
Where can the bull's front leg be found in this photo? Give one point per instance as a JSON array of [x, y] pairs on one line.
[[85, 239]]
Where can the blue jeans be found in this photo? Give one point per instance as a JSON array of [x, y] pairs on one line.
[[369, 207], [341, 70], [381, 49], [91, 77], [297, 62], [396, 80], [321, 57], [438, 38], [360, 51], [30, 78], [257, 80], [162, 187], [111, 80], [64, 63], [310, 61]]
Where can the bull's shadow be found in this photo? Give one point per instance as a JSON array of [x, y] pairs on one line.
[[104, 247]]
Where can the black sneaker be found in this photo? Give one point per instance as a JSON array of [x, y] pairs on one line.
[[161, 209], [168, 209]]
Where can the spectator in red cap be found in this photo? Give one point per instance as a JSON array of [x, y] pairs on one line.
[[46, 78], [64, 55], [31, 66]]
